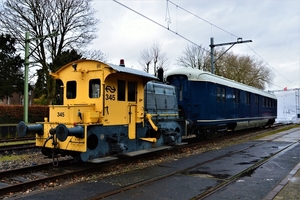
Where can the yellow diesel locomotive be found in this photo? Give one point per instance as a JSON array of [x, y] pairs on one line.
[[108, 110]]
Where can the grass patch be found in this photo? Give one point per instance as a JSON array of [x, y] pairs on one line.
[[3, 144], [14, 157], [285, 128]]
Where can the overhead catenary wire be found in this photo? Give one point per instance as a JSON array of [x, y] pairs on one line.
[[268, 64], [231, 35], [168, 20], [167, 28], [159, 24], [202, 19]]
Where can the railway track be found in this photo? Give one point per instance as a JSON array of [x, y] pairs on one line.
[[25, 178], [7, 140], [224, 181], [16, 144], [245, 172], [18, 179]]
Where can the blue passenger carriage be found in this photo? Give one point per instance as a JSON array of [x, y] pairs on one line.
[[212, 103]]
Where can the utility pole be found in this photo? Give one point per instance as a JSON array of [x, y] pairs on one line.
[[25, 97], [27, 54], [212, 48]]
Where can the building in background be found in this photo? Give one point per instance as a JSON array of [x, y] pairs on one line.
[[17, 99], [288, 106]]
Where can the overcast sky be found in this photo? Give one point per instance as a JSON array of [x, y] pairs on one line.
[[272, 25]]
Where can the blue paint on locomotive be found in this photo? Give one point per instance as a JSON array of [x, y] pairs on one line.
[[113, 140], [161, 103]]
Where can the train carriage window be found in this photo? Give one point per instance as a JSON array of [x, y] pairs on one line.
[[236, 96], [247, 98], [121, 90], [94, 88], [233, 96], [223, 94], [256, 99], [180, 92], [218, 94], [71, 89], [131, 91], [272, 103]]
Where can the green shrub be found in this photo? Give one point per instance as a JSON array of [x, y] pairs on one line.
[[13, 114]]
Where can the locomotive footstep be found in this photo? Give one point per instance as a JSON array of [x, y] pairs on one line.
[[140, 152], [104, 159], [180, 144]]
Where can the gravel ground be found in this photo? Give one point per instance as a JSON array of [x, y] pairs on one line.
[[19, 159], [36, 157]]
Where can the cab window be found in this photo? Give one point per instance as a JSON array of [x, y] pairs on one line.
[[131, 91], [121, 90], [94, 88], [71, 89]]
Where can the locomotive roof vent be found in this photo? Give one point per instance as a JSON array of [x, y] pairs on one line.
[[160, 74], [122, 63], [74, 65]]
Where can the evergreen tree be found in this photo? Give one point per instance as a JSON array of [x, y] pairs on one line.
[[11, 75], [41, 84]]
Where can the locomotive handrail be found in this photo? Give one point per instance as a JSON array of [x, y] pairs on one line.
[[153, 140], [148, 117]]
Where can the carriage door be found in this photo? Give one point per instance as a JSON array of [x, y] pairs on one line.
[[131, 98]]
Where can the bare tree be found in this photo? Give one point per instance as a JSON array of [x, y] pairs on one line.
[[244, 69], [95, 55], [159, 59], [154, 54], [253, 72], [193, 56], [146, 59], [241, 68], [72, 19]]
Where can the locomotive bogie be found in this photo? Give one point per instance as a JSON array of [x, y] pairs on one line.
[[251, 124]]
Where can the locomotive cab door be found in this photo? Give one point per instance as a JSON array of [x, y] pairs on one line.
[[120, 105], [132, 122]]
